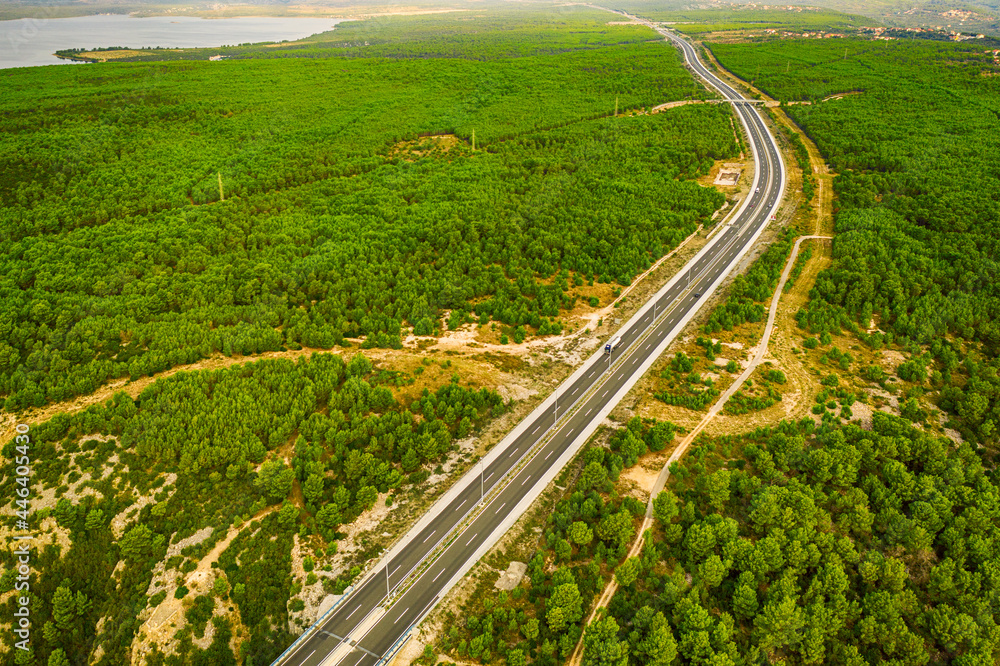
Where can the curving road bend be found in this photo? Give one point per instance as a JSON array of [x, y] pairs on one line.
[[363, 629]]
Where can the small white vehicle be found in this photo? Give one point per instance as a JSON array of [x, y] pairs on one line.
[[613, 345]]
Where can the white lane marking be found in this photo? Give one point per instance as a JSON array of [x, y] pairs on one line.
[[512, 453], [471, 540], [359, 659], [461, 505], [547, 457], [589, 411], [438, 576], [500, 507], [397, 566], [491, 474], [400, 616], [605, 393], [353, 612], [311, 654], [536, 429], [525, 480], [425, 541]]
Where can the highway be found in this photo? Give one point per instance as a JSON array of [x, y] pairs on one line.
[[360, 631]]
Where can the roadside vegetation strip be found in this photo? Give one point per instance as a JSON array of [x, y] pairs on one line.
[[682, 448]]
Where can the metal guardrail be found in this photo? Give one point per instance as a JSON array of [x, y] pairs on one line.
[[388, 654], [310, 629]]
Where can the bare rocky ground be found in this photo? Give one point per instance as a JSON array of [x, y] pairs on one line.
[[162, 622]]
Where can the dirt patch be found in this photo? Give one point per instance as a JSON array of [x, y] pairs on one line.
[[163, 622], [672, 105], [510, 578], [367, 522], [412, 650], [727, 177], [891, 359], [639, 479], [314, 596], [119, 522], [425, 146], [842, 95]]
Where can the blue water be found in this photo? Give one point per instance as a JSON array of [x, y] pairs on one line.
[[31, 42]]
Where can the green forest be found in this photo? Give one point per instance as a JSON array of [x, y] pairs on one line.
[[805, 545], [918, 221], [158, 213], [318, 440]]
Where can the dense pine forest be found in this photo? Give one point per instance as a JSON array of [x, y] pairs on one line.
[[811, 545], [157, 213], [917, 250], [290, 448]]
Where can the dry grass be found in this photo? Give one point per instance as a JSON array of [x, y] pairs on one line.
[[425, 146]]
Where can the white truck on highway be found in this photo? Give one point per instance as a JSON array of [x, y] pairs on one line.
[[613, 345]]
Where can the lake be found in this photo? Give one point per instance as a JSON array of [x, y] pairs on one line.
[[31, 42]]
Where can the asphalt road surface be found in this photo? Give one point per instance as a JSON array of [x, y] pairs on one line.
[[373, 630]]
